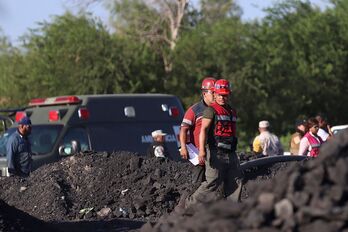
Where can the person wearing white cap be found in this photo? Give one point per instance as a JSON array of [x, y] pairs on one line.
[[266, 143], [158, 147]]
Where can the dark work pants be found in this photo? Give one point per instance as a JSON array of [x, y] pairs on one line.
[[223, 180], [198, 174]]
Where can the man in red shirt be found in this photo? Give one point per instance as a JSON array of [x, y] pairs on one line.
[[217, 150], [191, 126]]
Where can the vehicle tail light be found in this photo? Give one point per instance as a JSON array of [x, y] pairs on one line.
[[20, 115], [174, 111], [83, 113], [53, 115]]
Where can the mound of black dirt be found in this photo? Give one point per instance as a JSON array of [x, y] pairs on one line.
[[100, 186], [308, 197], [260, 174], [14, 220]]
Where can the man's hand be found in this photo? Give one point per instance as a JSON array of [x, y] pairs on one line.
[[201, 158], [329, 129], [183, 152]]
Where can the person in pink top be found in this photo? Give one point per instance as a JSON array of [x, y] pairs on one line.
[[311, 141]]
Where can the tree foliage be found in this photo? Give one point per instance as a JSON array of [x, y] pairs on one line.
[[154, 22], [292, 63]]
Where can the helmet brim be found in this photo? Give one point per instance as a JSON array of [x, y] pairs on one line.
[[223, 92]]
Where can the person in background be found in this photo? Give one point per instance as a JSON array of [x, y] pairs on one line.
[[311, 141], [266, 143], [217, 150], [191, 126], [18, 150], [158, 147], [324, 128], [297, 136]]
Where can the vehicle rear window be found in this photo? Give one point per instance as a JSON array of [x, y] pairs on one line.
[[3, 140], [43, 138]]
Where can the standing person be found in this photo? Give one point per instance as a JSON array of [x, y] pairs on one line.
[[324, 128], [191, 126], [158, 147], [217, 150], [311, 141], [19, 150], [267, 143], [297, 136]]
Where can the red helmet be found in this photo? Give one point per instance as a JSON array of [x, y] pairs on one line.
[[208, 83], [222, 87]]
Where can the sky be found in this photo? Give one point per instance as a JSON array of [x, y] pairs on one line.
[[17, 16]]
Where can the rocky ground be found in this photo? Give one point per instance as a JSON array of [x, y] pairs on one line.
[[121, 191], [100, 186], [14, 220], [308, 197]]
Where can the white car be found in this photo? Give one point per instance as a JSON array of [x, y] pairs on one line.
[[336, 129]]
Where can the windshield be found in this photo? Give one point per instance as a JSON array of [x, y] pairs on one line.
[[42, 138]]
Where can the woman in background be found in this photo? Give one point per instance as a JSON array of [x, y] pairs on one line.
[[311, 141]]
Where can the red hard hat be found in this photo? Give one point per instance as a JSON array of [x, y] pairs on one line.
[[208, 83], [222, 87]]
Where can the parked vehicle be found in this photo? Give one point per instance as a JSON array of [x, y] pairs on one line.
[[6, 118], [337, 129], [60, 125], [5, 123]]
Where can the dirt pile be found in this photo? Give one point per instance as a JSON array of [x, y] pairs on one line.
[[14, 220], [308, 197], [100, 186]]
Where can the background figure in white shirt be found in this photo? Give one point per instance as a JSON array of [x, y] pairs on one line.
[[311, 141], [158, 147], [267, 143], [324, 128]]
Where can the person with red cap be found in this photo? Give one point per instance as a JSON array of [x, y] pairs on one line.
[[217, 150], [191, 126]]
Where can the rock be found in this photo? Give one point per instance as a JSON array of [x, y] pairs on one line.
[[104, 212], [266, 202], [284, 209]]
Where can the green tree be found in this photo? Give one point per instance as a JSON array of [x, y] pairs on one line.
[[11, 74], [216, 10], [297, 71], [156, 23], [76, 55], [71, 56]]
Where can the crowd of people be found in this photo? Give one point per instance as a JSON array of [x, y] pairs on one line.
[[309, 135], [210, 126]]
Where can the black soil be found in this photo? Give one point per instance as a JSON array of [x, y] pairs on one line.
[[14, 220], [121, 191], [100, 186], [308, 197]]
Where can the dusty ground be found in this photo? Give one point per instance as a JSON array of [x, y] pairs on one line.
[[104, 192], [14, 220], [122, 191], [100, 186], [308, 197]]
